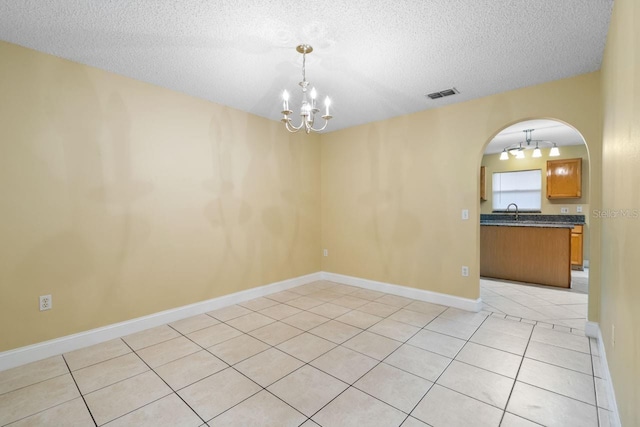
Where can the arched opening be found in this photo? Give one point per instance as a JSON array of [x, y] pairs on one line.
[[534, 232]]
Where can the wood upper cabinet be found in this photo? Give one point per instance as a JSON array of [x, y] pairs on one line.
[[564, 179]]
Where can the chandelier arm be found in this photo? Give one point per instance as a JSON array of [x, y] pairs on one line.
[[291, 128], [326, 122]]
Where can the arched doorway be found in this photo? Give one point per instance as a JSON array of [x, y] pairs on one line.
[[508, 159]]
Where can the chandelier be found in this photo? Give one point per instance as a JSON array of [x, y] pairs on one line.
[[308, 109], [517, 150]]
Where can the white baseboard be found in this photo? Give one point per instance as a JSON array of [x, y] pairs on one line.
[[23, 355], [403, 291], [592, 330], [20, 356]]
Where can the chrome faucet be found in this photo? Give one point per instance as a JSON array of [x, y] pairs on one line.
[[509, 206]]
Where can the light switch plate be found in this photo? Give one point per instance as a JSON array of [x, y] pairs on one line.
[[465, 214]]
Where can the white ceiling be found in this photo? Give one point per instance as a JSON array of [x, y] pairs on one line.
[[376, 59], [545, 130]]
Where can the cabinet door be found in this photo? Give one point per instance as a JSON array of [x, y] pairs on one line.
[[576, 250], [564, 179]]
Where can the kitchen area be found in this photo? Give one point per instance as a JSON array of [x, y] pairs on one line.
[[534, 198]]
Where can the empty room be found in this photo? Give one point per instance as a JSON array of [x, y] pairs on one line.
[[319, 214]]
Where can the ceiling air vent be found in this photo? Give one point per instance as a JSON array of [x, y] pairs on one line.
[[443, 93]]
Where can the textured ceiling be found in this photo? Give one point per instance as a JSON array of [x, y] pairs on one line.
[[376, 59]]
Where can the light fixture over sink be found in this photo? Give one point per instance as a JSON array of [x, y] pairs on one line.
[[308, 109]]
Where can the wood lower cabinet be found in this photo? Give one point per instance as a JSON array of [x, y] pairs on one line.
[[577, 239], [564, 179], [539, 255]]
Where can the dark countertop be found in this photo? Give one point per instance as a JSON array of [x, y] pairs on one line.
[[533, 220], [528, 224]]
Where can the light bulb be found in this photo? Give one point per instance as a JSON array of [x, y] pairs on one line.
[[327, 103], [536, 153], [314, 94], [554, 152], [520, 155], [504, 155]]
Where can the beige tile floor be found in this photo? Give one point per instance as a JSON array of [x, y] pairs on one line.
[[561, 307], [330, 355]]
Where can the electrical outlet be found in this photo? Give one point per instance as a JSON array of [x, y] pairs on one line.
[[613, 336], [465, 214], [579, 209], [564, 210], [46, 302], [465, 271], [325, 252]]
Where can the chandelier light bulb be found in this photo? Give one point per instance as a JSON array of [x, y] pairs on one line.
[[327, 103]]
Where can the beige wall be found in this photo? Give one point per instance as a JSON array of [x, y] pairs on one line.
[[492, 163], [392, 191], [123, 199], [621, 235]]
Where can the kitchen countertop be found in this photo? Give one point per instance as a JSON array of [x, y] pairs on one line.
[[528, 224], [532, 220]]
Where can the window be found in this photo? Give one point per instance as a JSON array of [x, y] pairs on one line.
[[524, 188]]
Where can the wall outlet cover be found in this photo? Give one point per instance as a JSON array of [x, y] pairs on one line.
[[46, 303], [564, 210]]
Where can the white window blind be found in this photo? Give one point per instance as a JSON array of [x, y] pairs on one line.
[[524, 188]]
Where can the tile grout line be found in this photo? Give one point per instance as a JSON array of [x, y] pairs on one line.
[[56, 405], [406, 342], [444, 370], [270, 347], [595, 385], [341, 345], [35, 383], [515, 380], [79, 391], [163, 380]]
